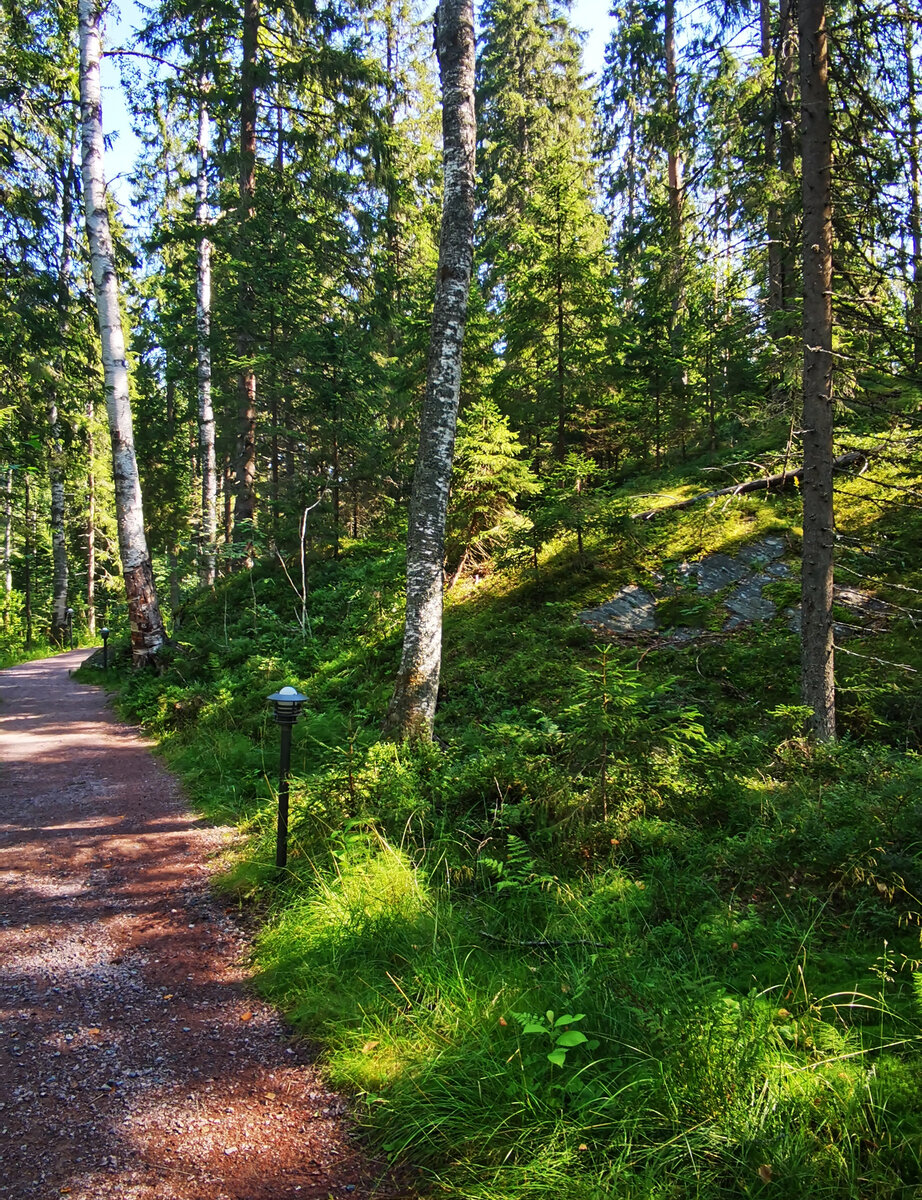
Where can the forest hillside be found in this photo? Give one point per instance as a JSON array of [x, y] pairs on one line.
[[622, 930], [626, 901]]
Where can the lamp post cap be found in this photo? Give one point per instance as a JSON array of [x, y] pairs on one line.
[[287, 695], [104, 631]]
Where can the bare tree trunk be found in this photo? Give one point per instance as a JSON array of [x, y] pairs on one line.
[[562, 414], [674, 159], [59, 565], [245, 481], [786, 324], [8, 546], [773, 220], [227, 491], [412, 708], [90, 524], [679, 372], [60, 573], [175, 589], [207, 548], [29, 551], [147, 632], [817, 659], [915, 187]]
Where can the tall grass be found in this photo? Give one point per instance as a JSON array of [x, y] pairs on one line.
[[628, 860]]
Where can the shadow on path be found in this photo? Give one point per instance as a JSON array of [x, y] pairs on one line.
[[134, 1062]]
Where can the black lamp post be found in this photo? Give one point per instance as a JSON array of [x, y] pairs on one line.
[[105, 647], [287, 704], [69, 613]]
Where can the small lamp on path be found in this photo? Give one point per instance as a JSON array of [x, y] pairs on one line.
[[105, 647], [287, 705], [69, 614]]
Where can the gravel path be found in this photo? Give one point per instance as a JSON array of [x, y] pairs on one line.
[[135, 1062]]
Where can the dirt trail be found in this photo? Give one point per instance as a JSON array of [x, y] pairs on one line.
[[134, 1060]]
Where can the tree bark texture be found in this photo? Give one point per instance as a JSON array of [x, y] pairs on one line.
[[59, 564], [206, 423], [674, 166], [773, 217], [817, 659], [8, 544], [786, 322], [29, 548], [245, 480], [90, 523], [915, 186], [412, 708], [147, 632]]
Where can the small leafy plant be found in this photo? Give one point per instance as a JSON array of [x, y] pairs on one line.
[[561, 1037]]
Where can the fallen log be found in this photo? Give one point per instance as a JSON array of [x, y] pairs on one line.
[[766, 483]]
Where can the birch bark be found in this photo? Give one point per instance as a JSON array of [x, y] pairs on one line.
[[203, 336], [412, 709], [147, 632], [817, 659]]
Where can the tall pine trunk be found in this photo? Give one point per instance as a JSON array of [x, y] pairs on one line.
[[29, 552], [59, 565], [412, 708], [674, 169], [203, 339], [245, 473], [817, 659], [789, 218], [773, 216], [915, 186], [147, 632], [8, 546], [90, 521]]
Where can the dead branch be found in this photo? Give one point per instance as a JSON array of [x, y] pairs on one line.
[[783, 479]]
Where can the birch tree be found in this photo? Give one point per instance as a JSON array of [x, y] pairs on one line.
[[412, 709], [147, 632]]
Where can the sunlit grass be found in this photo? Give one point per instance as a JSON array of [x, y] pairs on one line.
[[729, 913]]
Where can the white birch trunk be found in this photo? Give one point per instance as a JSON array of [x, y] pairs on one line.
[[412, 708], [203, 334], [147, 632]]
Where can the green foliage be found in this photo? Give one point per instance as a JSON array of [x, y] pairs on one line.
[[557, 1032], [721, 918], [489, 476]]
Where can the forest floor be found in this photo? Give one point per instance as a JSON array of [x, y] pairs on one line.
[[136, 1062]]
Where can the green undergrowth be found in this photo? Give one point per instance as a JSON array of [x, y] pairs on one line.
[[622, 931]]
